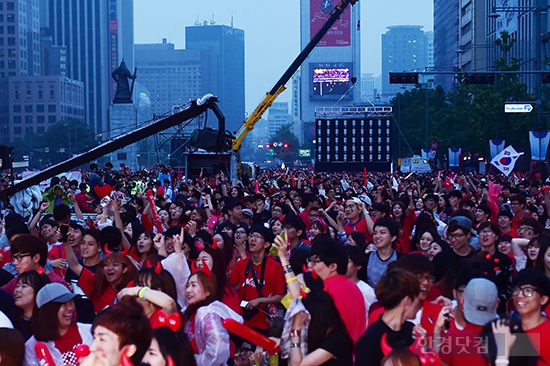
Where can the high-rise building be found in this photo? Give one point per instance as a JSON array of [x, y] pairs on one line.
[[472, 48], [278, 117], [326, 77], [527, 23], [404, 48], [222, 71], [30, 101], [446, 15], [98, 34], [171, 76]]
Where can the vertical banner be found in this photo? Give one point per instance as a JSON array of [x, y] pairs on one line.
[[539, 144], [113, 43], [426, 154], [339, 34], [496, 146], [435, 146], [454, 156]]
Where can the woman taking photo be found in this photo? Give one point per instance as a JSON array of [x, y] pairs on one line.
[[54, 326], [203, 321]]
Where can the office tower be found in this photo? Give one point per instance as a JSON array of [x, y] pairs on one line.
[[325, 78], [404, 48], [222, 72], [278, 117], [472, 48], [29, 101], [446, 15], [98, 35], [171, 76]]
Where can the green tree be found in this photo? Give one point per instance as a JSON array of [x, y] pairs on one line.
[[284, 134]]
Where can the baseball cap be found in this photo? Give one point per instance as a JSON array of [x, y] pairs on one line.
[[506, 213], [463, 222], [53, 292], [480, 301], [247, 211]]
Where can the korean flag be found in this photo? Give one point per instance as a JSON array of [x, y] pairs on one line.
[[506, 160]]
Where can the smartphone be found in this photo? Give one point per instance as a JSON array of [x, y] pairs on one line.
[[244, 304], [64, 229]]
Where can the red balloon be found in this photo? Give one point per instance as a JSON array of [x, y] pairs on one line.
[[251, 335], [81, 352], [43, 354]]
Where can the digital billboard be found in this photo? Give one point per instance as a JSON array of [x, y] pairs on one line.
[[330, 79], [339, 34]]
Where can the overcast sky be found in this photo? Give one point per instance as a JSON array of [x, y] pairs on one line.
[[272, 31]]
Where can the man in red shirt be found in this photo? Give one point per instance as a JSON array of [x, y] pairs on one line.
[[259, 274], [330, 262], [356, 219], [518, 203], [309, 201]]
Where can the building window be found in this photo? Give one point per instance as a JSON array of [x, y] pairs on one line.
[[28, 130], [29, 95], [51, 108], [10, 5], [17, 119], [11, 18], [11, 29], [51, 120], [11, 64], [40, 119], [17, 130], [40, 130], [40, 108], [40, 95], [28, 120], [28, 108], [51, 94], [17, 107]]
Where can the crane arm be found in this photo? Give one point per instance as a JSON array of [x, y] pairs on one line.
[[279, 87]]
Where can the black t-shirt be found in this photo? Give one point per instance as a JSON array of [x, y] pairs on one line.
[[71, 276], [5, 277], [369, 352], [446, 260], [340, 347]]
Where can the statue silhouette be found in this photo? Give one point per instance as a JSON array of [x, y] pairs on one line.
[[123, 91]]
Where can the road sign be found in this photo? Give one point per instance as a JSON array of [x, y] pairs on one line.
[[518, 108]]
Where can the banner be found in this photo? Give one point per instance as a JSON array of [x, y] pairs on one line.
[[496, 146], [428, 154], [539, 144], [454, 156], [506, 160]]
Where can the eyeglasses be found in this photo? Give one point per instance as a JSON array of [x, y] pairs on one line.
[[19, 257], [524, 230], [255, 236], [486, 233], [455, 236], [421, 278], [524, 291], [240, 232], [313, 261], [313, 216]]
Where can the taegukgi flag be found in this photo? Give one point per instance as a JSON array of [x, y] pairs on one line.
[[506, 160]]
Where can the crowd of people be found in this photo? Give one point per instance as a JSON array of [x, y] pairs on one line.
[[288, 267]]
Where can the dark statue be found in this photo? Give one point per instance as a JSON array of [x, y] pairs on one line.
[[123, 91]]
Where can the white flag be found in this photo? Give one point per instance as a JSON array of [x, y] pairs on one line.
[[506, 160]]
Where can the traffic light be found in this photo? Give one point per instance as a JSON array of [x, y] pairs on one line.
[[403, 78], [6, 161], [479, 78], [546, 78]]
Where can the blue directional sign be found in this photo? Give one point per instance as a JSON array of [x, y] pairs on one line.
[[518, 108]]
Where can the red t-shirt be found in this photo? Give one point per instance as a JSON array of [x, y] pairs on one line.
[[350, 304], [459, 347], [536, 335], [360, 226], [87, 281], [304, 215], [67, 343], [274, 284]]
